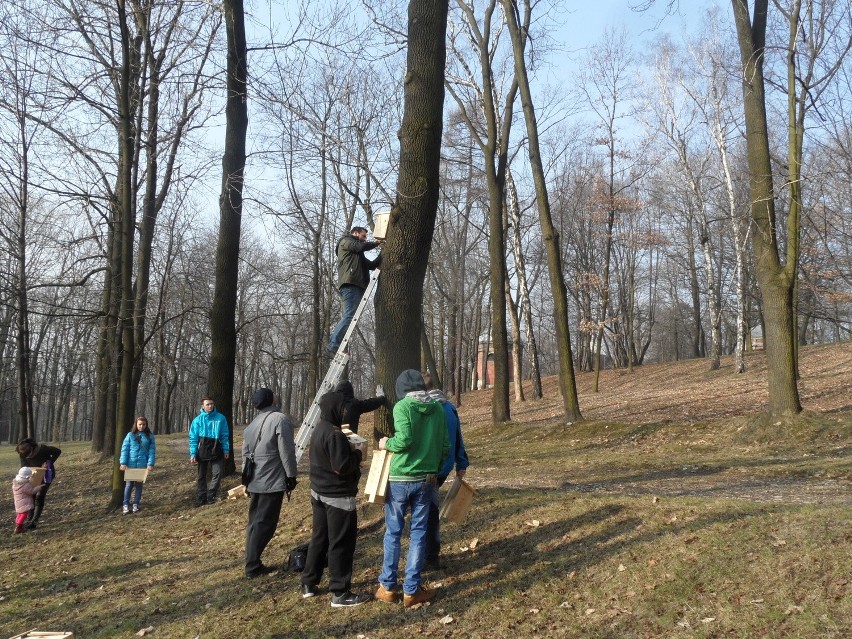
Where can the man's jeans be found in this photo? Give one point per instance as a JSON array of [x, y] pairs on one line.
[[404, 495], [350, 296]]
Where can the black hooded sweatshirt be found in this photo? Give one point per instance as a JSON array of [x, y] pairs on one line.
[[353, 408], [335, 466]]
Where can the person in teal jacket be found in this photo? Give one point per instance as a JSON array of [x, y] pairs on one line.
[[137, 451], [209, 445], [420, 445]]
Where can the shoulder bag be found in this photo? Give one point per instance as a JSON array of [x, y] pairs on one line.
[[249, 463]]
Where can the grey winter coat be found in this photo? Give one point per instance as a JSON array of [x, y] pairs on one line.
[[275, 453]]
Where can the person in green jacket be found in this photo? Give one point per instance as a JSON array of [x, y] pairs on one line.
[[420, 445]]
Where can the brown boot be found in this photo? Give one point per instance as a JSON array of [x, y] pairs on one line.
[[19, 528], [388, 596], [421, 596]]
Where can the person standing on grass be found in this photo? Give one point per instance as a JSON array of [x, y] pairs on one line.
[[457, 459], [420, 445], [335, 471], [268, 439], [23, 492], [35, 455], [137, 451], [353, 276], [209, 445]]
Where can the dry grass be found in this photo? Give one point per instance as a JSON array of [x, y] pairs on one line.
[[669, 513]]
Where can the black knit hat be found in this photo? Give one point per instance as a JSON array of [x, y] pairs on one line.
[[262, 398]]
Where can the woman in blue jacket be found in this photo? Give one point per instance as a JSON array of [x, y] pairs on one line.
[[137, 451]]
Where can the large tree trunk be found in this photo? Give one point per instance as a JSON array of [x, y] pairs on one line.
[[223, 330], [26, 423], [775, 279], [399, 298], [567, 383], [125, 229]]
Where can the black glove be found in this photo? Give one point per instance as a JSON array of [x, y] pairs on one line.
[[291, 484]]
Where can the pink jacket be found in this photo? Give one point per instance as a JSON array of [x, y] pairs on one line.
[[23, 493]]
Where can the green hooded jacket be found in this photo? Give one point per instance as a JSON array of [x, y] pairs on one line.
[[420, 443]]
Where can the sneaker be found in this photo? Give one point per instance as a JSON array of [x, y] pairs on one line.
[[346, 599], [136, 508], [421, 596], [125, 509], [388, 596], [308, 591]]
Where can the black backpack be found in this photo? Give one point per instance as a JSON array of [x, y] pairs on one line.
[[296, 560]]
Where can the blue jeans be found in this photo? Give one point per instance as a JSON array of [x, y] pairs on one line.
[[350, 296], [128, 488], [405, 495]]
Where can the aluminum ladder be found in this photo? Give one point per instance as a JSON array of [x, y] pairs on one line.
[[335, 371]]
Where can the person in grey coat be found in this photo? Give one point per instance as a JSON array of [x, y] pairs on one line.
[[269, 438]]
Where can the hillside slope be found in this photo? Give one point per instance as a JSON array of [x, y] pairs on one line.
[[687, 391]]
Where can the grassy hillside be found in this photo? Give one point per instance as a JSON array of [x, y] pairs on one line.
[[674, 510]]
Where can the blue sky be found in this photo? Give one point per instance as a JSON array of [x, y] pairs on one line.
[[586, 22]]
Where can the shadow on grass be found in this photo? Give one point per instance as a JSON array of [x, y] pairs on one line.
[[513, 555]]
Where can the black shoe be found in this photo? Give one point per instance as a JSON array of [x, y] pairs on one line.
[[346, 599], [263, 570], [200, 502], [308, 591]]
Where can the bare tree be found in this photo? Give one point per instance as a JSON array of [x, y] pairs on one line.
[[490, 121], [518, 25], [813, 28]]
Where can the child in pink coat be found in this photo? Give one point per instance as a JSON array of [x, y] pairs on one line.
[[24, 493]]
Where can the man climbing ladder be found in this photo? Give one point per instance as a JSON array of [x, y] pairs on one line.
[[353, 271]]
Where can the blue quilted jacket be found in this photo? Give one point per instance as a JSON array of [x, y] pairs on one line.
[[138, 452]]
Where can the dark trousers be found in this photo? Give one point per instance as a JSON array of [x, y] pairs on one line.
[[332, 543], [433, 534], [207, 491], [264, 510], [35, 513], [433, 527]]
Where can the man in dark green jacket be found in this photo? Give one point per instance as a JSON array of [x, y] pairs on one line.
[[353, 275]]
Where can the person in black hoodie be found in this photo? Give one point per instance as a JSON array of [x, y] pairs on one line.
[[353, 407], [335, 471]]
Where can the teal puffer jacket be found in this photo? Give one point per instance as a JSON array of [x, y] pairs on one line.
[[138, 451]]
